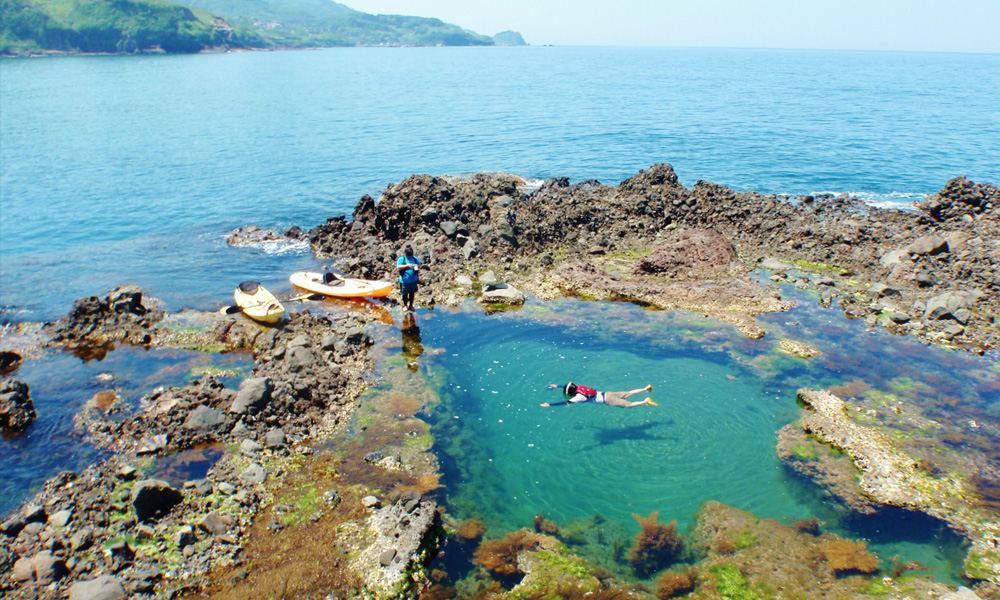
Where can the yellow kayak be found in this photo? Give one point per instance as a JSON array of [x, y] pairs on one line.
[[330, 284], [258, 303]]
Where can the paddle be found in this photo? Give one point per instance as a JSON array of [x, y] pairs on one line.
[[232, 310]]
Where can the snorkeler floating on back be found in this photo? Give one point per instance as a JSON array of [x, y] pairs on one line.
[[581, 393]]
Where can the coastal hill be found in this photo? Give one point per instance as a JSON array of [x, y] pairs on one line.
[[135, 26]]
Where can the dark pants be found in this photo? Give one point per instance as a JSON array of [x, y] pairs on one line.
[[408, 291]]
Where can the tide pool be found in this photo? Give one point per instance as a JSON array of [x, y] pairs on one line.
[[722, 399]]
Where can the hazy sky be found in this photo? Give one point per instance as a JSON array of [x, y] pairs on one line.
[[929, 25]]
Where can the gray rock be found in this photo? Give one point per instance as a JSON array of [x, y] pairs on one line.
[[488, 277], [300, 341], [254, 474], [203, 418], [152, 445], [153, 498], [300, 358], [254, 393], [892, 258], [126, 473], [882, 290], [184, 536], [105, 587], [357, 336], [82, 539], [943, 306], [927, 245], [962, 315], [369, 501], [226, 488], [449, 228], [962, 593], [470, 249], [45, 568], [213, 523], [329, 342], [463, 280], [773, 264], [250, 447], [953, 330], [385, 559], [899, 317], [274, 438], [61, 518], [506, 295]]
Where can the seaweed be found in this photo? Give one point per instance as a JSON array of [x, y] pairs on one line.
[[672, 583], [500, 555], [848, 556], [812, 526], [470, 530], [656, 545], [543, 525]]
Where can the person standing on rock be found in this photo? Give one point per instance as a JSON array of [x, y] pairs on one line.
[[408, 267], [581, 393]]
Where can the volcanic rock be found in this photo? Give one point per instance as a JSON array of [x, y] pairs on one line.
[[17, 410]]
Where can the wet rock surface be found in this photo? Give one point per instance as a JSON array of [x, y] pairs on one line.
[[889, 477], [17, 410], [120, 316]]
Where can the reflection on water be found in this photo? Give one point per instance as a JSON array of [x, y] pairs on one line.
[[412, 347], [62, 384], [722, 398]]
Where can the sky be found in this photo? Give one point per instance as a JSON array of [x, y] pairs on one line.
[[907, 25]]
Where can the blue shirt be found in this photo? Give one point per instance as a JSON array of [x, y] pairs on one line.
[[408, 275]]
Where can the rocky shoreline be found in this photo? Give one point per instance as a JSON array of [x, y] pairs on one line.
[[933, 273]]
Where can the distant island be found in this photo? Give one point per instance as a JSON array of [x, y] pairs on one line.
[[146, 26]]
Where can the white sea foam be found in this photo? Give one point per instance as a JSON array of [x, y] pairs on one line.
[[896, 200]]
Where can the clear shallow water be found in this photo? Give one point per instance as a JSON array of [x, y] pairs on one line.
[[132, 169], [721, 398], [62, 384]]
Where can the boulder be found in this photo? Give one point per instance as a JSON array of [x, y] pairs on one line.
[[299, 358], [506, 295], [943, 306], [697, 252], [153, 498], [203, 418], [42, 568], [105, 587], [927, 245], [17, 410], [274, 438], [253, 474], [9, 361], [254, 393], [774, 264]]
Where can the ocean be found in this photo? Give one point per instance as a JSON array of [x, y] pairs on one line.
[[118, 169]]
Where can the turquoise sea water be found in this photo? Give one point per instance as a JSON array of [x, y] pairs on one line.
[[721, 400], [133, 169]]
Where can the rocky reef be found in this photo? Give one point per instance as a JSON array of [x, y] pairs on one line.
[[933, 272]]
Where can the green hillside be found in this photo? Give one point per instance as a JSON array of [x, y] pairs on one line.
[[305, 23], [126, 26], [116, 26]]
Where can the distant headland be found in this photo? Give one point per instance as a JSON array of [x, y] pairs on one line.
[[33, 27]]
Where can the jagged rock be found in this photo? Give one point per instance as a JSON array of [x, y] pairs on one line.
[[42, 568], [697, 252], [119, 316], [153, 498], [17, 410], [253, 474], [253, 394]]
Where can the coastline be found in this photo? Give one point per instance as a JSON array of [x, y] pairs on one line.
[[587, 240]]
